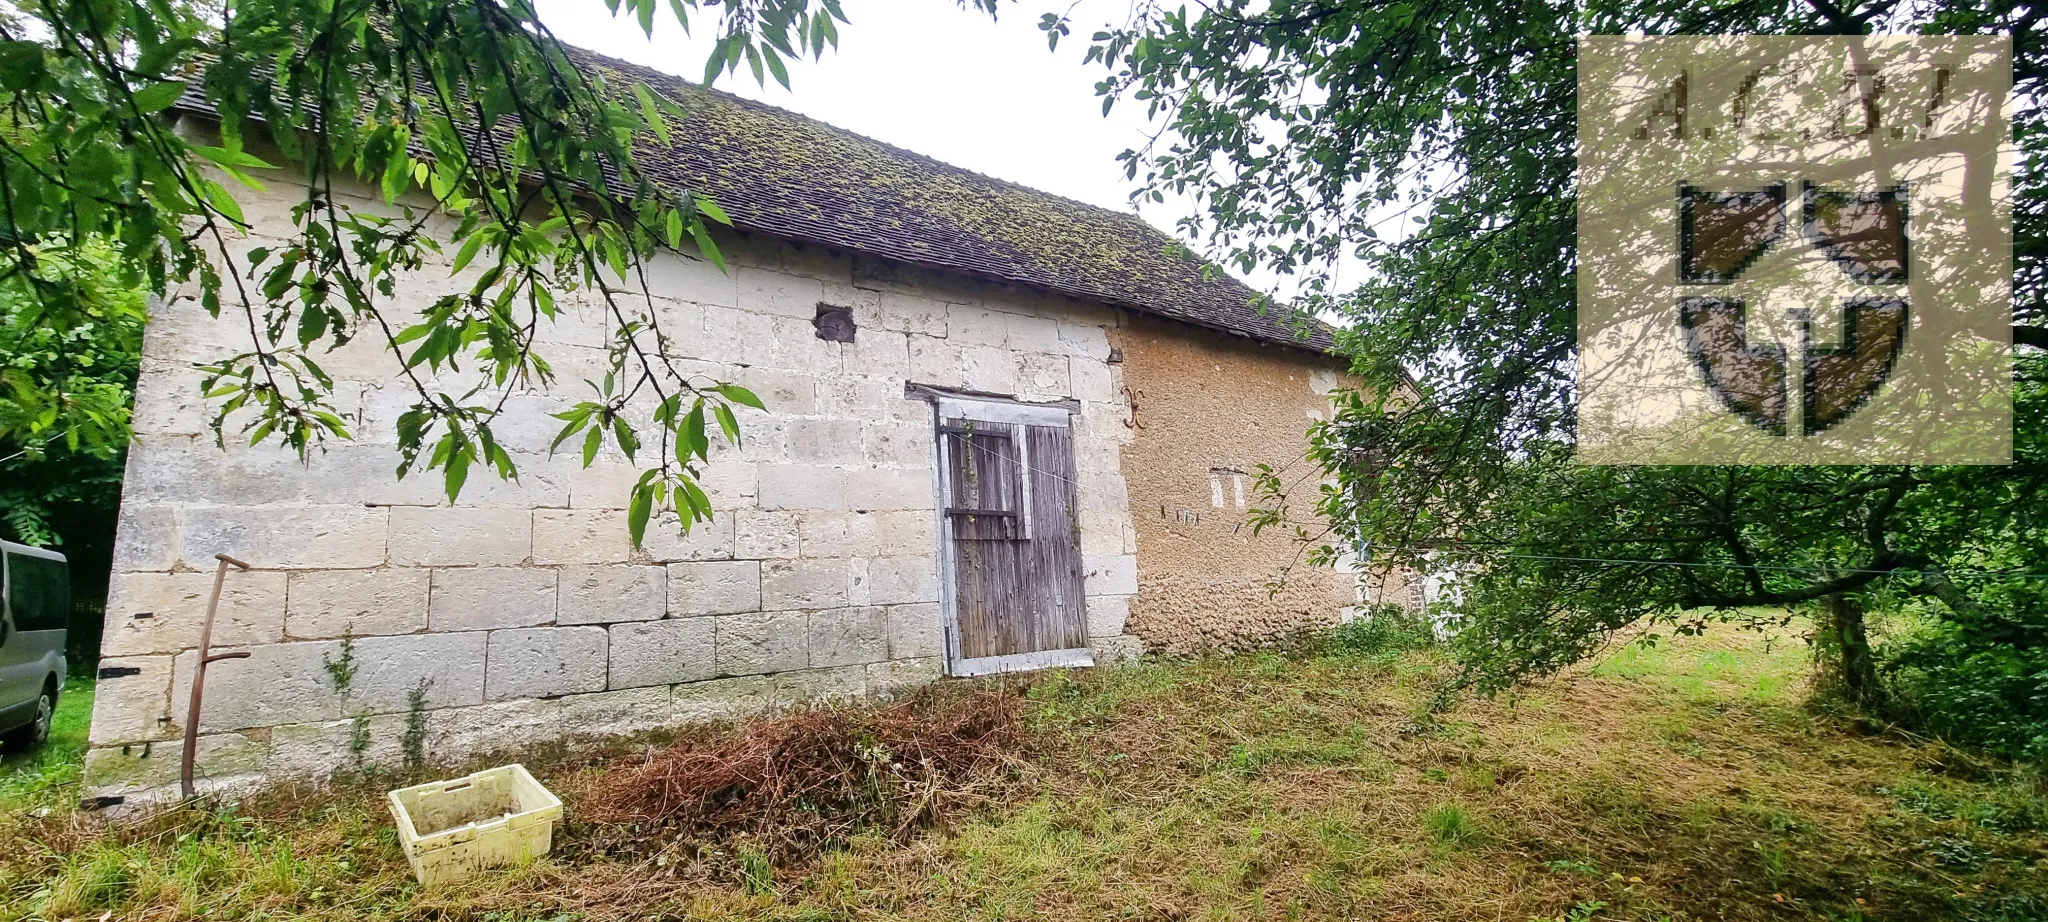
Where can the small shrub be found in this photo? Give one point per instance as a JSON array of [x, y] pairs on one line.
[[1383, 631], [1450, 825]]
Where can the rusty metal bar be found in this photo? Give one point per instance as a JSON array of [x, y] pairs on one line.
[[206, 656]]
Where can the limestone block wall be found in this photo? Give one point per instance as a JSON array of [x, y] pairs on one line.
[[521, 611], [1206, 409]]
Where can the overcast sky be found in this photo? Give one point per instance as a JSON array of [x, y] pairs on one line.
[[931, 77]]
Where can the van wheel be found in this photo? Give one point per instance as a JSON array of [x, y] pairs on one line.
[[36, 732]]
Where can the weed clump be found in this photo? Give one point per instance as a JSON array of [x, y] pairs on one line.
[[812, 779], [1384, 631]]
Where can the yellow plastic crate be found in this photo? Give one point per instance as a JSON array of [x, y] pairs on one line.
[[493, 818]]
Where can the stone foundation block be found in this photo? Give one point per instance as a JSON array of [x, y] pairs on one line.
[[133, 708], [897, 444], [1109, 651], [879, 489], [722, 699], [812, 686], [824, 440], [1116, 575], [802, 487], [609, 594], [914, 631], [224, 761], [285, 537], [491, 597], [252, 611], [719, 587], [761, 642], [663, 652], [145, 537], [318, 751], [465, 733], [1107, 614], [545, 661], [847, 637], [279, 683], [1041, 376], [442, 536], [388, 669], [898, 677], [778, 293], [665, 541], [899, 580], [569, 536], [330, 603], [634, 710], [761, 535], [806, 582]]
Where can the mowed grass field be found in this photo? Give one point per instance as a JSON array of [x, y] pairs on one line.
[[1685, 781]]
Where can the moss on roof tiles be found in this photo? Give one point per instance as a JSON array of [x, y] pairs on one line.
[[784, 174]]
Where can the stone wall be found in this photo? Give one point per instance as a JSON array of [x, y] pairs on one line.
[[1207, 409], [521, 611]]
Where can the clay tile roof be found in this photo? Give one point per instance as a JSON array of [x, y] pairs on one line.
[[783, 174]]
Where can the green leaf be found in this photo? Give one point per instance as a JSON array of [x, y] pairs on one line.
[[754, 63], [312, 325], [739, 395], [648, 110], [232, 156], [21, 65], [623, 431], [458, 472], [712, 211], [591, 444], [638, 513], [692, 439], [219, 200], [730, 426], [158, 97], [705, 244], [468, 251]]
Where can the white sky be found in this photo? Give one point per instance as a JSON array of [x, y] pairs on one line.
[[936, 79]]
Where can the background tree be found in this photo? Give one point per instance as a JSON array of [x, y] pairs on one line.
[[62, 487], [1305, 128]]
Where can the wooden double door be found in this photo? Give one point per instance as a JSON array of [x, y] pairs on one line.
[[1009, 537]]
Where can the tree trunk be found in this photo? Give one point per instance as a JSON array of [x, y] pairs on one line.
[[1844, 650]]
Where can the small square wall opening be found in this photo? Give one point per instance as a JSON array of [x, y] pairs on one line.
[[835, 324]]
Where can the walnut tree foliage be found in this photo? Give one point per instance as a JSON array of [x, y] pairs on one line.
[[531, 164], [1433, 140]]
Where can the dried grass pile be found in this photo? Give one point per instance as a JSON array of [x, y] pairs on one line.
[[811, 779]]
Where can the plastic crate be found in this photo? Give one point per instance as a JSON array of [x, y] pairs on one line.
[[493, 818]]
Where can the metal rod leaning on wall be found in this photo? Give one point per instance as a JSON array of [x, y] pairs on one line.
[[206, 656]]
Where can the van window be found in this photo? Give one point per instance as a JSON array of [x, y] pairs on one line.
[[39, 593]]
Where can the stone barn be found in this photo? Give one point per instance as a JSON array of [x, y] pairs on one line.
[[1035, 450]]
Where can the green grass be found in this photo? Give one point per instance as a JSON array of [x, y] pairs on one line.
[[1729, 664], [1683, 781], [47, 775]]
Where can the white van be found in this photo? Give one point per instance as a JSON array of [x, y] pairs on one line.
[[35, 614]]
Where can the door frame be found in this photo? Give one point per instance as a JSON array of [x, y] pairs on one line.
[[996, 409]]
